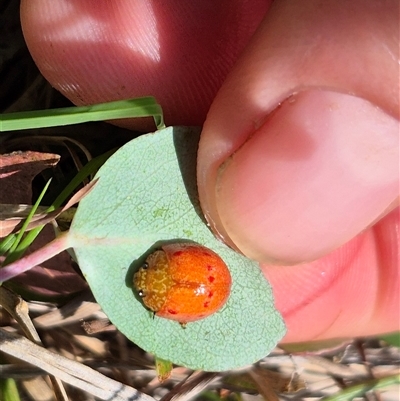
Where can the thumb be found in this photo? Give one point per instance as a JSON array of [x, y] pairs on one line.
[[292, 185], [351, 292]]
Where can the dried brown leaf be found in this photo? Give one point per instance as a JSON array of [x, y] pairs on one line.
[[17, 171]]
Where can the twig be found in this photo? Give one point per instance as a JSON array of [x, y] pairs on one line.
[[71, 372]]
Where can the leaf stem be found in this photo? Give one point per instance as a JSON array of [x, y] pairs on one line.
[[53, 248]]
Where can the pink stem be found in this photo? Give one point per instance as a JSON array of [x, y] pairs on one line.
[[20, 266]]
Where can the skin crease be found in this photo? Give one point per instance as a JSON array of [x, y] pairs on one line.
[[329, 246]]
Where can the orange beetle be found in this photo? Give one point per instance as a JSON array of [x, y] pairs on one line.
[[183, 282]]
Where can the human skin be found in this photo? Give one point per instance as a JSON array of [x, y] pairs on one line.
[[298, 164]]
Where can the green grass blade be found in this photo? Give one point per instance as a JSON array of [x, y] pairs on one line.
[[90, 168], [358, 390], [9, 390], [15, 250], [6, 243], [132, 108]]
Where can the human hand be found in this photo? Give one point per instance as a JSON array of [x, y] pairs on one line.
[[310, 188]]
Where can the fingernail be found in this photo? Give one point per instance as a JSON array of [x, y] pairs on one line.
[[322, 168]]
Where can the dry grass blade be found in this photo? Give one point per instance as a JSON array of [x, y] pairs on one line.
[[81, 307], [10, 225], [190, 388], [16, 143], [13, 211], [38, 389], [270, 383], [334, 369], [264, 385], [19, 310], [12, 217], [71, 372], [97, 326]]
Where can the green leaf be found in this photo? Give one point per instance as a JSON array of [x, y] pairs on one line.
[[147, 194]]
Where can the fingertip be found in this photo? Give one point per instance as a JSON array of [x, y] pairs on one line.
[[178, 52], [317, 173]]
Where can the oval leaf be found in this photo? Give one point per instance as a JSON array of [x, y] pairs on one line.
[[147, 194]]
